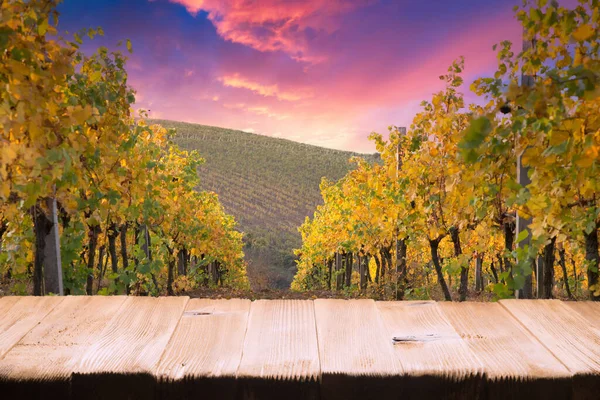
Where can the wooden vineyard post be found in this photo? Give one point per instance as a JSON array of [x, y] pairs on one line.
[[53, 279], [523, 179], [400, 264]]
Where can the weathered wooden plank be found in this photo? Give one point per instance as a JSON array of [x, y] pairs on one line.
[[516, 365], [357, 355], [590, 310], [20, 315], [40, 365], [567, 335], [122, 362], [437, 362], [7, 302], [203, 356], [281, 355]]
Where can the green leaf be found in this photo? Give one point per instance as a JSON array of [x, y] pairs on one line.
[[475, 134], [4, 36], [129, 47], [522, 235], [519, 281]]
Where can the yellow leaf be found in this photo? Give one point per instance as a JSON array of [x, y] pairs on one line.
[[4, 190], [585, 161], [43, 27], [8, 154], [583, 33], [95, 76], [80, 115], [35, 130]]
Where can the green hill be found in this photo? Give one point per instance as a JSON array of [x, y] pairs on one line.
[[270, 185]]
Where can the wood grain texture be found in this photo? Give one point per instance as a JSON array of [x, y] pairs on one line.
[[20, 315], [437, 363], [515, 363], [40, 364], [204, 353], [118, 348], [590, 310], [357, 355], [567, 335], [7, 302], [281, 356], [122, 362]]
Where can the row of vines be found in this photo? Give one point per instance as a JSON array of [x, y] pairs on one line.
[[130, 217], [437, 218]]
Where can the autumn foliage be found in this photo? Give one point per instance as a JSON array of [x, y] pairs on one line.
[[440, 210], [130, 217]]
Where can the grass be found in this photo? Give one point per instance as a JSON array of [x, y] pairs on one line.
[[269, 184]]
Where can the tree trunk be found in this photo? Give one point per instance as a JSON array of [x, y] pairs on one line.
[[329, 273], [171, 267], [181, 258], [93, 232], [112, 247], [123, 238], [563, 265], [383, 264], [478, 273], [3, 230], [348, 265], [193, 260], [388, 252], [501, 264], [509, 238], [362, 272], [216, 273], [592, 257], [146, 241], [494, 272], [377, 269], [136, 240], [548, 272], [367, 270], [186, 261], [464, 270], [401, 269], [339, 281], [205, 270], [41, 227], [101, 264], [575, 276], [434, 245]]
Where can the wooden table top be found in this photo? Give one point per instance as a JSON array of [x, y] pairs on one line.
[[117, 347]]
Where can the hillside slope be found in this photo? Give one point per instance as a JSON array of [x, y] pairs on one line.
[[270, 185]]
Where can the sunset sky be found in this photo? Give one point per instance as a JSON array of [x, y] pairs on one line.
[[325, 72]]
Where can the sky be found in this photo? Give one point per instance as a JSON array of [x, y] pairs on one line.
[[324, 72]]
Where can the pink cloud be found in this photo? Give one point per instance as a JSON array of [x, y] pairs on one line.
[[275, 25], [373, 77]]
